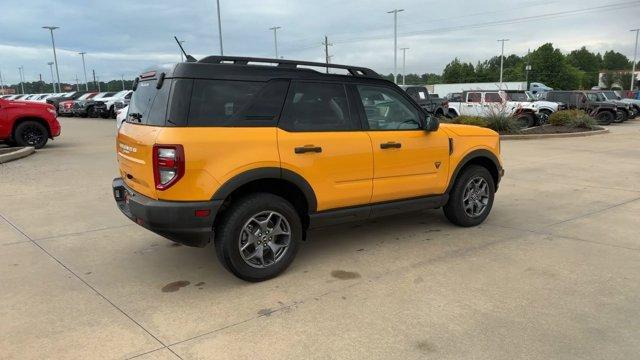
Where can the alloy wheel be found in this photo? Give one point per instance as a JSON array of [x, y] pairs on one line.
[[264, 239], [32, 135], [475, 198]]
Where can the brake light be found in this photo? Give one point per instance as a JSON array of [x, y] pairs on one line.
[[168, 165]]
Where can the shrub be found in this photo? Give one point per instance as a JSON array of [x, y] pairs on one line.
[[471, 120], [561, 118], [582, 120], [572, 118], [502, 123]]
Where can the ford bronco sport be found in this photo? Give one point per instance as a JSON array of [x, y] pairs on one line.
[[250, 153]]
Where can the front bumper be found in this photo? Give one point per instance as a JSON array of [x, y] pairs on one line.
[[174, 220]]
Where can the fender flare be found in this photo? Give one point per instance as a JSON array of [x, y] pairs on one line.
[[479, 153], [268, 173]]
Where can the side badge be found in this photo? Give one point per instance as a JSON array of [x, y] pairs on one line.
[[438, 164]]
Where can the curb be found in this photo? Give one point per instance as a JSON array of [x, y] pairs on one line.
[[553, 136], [10, 154]]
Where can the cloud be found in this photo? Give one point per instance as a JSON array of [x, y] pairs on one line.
[[122, 37]]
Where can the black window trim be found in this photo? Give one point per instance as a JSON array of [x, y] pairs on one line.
[[364, 122], [284, 113]]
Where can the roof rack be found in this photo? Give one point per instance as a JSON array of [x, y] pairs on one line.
[[289, 64]]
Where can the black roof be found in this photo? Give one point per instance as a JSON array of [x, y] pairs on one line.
[[262, 69]]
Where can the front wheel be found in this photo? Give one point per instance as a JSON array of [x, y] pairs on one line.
[[605, 117], [31, 133], [621, 116], [525, 120], [471, 197], [543, 116], [258, 236]]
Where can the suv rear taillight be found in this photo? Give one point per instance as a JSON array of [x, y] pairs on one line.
[[168, 165]]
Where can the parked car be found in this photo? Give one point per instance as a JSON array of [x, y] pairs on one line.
[[27, 123], [433, 104], [66, 107], [539, 88], [91, 107], [624, 111], [255, 155], [55, 101], [605, 112], [633, 103], [106, 106], [545, 108], [121, 115], [486, 103]]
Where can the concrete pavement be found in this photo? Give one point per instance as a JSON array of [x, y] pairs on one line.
[[553, 273]]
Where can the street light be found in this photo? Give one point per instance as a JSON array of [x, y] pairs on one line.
[[275, 37], [404, 63], [84, 67], [55, 57], [635, 55], [220, 28], [502, 60], [53, 80], [395, 41], [21, 70]]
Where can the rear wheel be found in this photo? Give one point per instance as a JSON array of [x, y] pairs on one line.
[[525, 120], [471, 197], [605, 117], [91, 112], [258, 236], [31, 133], [621, 115]]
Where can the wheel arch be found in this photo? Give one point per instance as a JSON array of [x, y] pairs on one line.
[[282, 182], [482, 157], [39, 120]]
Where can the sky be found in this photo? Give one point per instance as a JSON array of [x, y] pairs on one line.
[[123, 37]]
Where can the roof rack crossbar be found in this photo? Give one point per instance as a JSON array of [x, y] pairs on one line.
[[291, 64]]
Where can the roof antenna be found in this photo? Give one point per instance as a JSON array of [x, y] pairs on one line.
[[186, 56]]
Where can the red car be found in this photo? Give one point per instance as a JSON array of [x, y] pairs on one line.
[[27, 123]]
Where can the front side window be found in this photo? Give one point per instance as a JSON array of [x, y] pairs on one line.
[[385, 109], [474, 97], [317, 107], [492, 97]]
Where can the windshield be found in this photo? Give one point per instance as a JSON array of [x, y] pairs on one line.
[[85, 96], [610, 95]]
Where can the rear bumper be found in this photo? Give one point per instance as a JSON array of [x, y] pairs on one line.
[[174, 220]]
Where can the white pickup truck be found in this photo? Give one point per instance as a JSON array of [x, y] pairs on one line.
[[486, 103]]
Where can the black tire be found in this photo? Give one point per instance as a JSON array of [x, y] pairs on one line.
[[455, 211], [525, 120], [31, 133], [91, 112], [605, 117], [229, 230], [543, 118], [621, 116], [452, 114]]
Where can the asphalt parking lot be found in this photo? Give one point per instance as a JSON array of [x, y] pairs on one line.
[[553, 273]]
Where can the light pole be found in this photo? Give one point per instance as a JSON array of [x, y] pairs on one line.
[[122, 79], [53, 80], [55, 57], [220, 28], [395, 42], [1, 84], [84, 67], [502, 60], [404, 63], [635, 55], [275, 37], [21, 70]]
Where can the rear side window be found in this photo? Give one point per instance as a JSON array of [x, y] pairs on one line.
[[492, 98], [317, 107], [236, 103], [474, 97]]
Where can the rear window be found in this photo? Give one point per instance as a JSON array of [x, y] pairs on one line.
[[149, 105]]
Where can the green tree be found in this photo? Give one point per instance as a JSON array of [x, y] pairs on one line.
[[458, 72], [550, 66], [431, 78], [613, 60], [587, 62]]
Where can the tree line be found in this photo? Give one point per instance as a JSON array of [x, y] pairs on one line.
[[578, 69], [41, 87]]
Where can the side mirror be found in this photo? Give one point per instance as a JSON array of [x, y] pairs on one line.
[[430, 123]]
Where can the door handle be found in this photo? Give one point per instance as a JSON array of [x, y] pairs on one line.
[[390, 145], [308, 149]]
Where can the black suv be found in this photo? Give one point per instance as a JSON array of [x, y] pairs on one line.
[[625, 110], [431, 102], [604, 111], [55, 101]]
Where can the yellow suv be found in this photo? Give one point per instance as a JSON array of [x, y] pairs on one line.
[[250, 153]]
